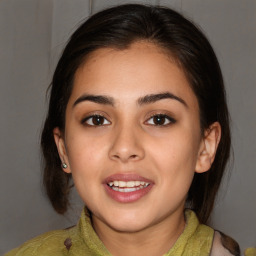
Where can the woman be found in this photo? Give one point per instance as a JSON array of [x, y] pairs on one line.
[[138, 118]]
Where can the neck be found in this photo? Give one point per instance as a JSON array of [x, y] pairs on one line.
[[154, 240]]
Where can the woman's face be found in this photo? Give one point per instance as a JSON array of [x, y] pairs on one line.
[[132, 136]]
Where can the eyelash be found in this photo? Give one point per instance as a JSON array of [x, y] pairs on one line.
[[167, 120], [88, 121]]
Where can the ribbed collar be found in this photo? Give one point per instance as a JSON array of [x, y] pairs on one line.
[[196, 238]]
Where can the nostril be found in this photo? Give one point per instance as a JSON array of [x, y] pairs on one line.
[[116, 156]]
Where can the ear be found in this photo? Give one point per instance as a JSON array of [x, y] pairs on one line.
[[59, 141], [208, 148]]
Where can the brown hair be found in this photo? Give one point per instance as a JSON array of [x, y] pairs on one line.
[[118, 28]]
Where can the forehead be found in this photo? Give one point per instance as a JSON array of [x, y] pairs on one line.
[[143, 68]]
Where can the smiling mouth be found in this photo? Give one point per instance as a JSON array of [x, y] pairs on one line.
[[127, 186]]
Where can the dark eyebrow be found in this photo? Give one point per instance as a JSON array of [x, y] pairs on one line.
[[151, 98], [100, 99]]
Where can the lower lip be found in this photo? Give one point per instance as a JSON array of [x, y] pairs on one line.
[[127, 197]]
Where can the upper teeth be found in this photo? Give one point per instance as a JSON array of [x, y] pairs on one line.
[[127, 184]]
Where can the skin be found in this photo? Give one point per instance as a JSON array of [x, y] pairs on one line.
[[129, 141]]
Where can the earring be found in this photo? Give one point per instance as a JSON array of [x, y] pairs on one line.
[[64, 165]]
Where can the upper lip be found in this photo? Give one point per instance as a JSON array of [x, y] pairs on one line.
[[126, 177]]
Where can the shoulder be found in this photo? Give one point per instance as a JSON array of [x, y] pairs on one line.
[[206, 239], [51, 243], [250, 251], [224, 245]]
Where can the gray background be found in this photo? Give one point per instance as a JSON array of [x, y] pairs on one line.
[[32, 35]]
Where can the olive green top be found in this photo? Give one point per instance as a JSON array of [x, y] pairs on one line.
[[81, 239], [250, 252]]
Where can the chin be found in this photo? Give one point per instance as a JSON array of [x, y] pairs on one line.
[[129, 224], [128, 227], [126, 219]]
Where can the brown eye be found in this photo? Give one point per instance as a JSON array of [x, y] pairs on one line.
[[96, 120], [160, 120]]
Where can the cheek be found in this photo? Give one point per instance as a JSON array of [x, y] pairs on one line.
[[177, 149], [82, 146], [175, 160], [86, 158], [86, 155]]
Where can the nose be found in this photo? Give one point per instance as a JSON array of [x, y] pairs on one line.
[[127, 145]]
